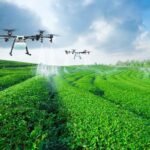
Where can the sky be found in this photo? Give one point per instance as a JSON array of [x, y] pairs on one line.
[[112, 30]]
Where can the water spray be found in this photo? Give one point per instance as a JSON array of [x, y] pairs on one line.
[[43, 67]]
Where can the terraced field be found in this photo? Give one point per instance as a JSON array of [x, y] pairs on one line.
[[82, 107]]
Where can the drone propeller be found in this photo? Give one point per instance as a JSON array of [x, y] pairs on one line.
[[9, 30], [52, 35], [67, 51], [73, 51], [41, 32], [40, 35]]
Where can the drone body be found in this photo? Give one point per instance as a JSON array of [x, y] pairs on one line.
[[77, 53], [22, 39]]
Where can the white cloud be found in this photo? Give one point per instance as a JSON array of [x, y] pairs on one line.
[[104, 33], [43, 9], [142, 43], [100, 31]]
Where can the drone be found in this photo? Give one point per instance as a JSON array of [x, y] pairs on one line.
[[22, 39], [77, 53]]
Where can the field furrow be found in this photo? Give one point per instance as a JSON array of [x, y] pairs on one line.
[[128, 96], [23, 114], [93, 122], [82, 107]]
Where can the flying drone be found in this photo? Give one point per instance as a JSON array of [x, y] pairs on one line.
[[77, 53], [22, 39]]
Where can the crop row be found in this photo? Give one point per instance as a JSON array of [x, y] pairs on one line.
[[128, 97], [24, 115], [9, 80], [11, 76], [12, 64], [94, 123], [127, 94]]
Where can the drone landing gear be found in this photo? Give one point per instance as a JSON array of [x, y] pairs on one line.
[[12, 47], [10, 54], [27, 52], [77, 55]]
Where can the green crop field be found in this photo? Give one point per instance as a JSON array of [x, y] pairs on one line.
[[82, 107]]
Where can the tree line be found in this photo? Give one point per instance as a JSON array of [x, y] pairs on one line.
[[134, 63]]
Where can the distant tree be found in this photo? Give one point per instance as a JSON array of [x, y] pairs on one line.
[[134, 63]]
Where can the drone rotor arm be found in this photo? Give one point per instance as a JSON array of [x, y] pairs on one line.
[[7, 37], [55, 34], [3, 36], [30, 37], [46, 36], [12, 36]]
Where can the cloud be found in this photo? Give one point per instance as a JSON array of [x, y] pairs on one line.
[[107, 27], [106, 24], [23, 20], [110, 36], [142, 43], [72, 19], [45, 10]]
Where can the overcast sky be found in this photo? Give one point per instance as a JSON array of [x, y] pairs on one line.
[[112, 29]]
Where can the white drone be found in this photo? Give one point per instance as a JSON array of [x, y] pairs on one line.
[[22, 39], [77, 53]]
